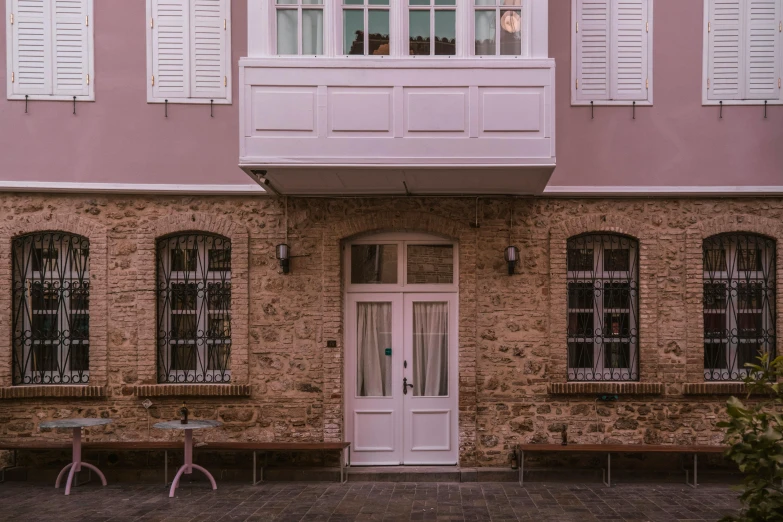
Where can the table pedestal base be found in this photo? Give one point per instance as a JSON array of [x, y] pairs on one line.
[[188, 467], [76, 465]]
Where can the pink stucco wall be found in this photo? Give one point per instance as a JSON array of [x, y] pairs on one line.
[[121, 138]]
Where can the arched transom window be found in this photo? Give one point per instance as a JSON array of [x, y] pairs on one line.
[[603, 308], [194, 308], [739, 303], [51, 302]]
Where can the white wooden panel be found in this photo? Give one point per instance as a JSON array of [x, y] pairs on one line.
[[373, 431], [762, 49], [292, 109], [591, 52], [70, 47], [208, 36], [511, 111], [171, 48], [30, 49], [725, 50], [628, 69], [430, 430], [360, 110], [436, 110]]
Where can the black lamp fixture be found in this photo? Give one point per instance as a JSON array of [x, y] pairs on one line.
[[512, 257], [283, 252]]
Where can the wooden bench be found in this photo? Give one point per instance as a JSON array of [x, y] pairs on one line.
[[165, 446], [620, 448]]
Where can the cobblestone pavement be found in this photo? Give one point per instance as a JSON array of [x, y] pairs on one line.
[[368, 501]]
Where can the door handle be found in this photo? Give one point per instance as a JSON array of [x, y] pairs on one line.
[[405, 386]]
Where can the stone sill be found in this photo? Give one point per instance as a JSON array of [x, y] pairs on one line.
[[714, 388], [53, 391], [192, 390], [598, 388]]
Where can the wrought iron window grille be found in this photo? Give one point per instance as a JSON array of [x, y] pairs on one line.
[[739, 303], [603, 308], [51, 309], [194, 308]]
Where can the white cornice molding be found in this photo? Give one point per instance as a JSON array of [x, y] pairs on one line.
[[593, 191], [129, 188]]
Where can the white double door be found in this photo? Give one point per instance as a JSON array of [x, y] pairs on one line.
[[401, 378]]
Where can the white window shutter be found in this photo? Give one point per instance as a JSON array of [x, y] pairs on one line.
[[592, 50], [762, 49], [171, 48], [628, 65], [31, 47], [208, 44], [70, 47], [725, 71]]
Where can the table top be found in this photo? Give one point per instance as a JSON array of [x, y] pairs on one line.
[[191, 425], [74, 423]]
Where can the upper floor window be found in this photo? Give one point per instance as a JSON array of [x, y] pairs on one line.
[[498, 27], [432, 27], [189, 51], [739, 303], [603, 308], [366, 27], [50, 49], [51, 309], [194, 308], [611, 50], [299, 27], [743, 53]]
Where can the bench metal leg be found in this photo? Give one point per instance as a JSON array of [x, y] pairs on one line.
[[343, 477], [695, 482], [165, 467], [607, 473], [256, 469], [521, 463], [12, 466]]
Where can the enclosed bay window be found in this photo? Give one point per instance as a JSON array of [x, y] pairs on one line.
[[603, 308], [194, 308], [366, 27], [498, 27], [432, 27], [51, 309], [739, 303], [299, 27]]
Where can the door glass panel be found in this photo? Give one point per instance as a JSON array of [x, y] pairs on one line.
[[430, 349], [430, 264], [373, 345], [374, 264]]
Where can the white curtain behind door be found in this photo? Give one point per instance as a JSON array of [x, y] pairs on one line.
[[373, 337], [430, 349]]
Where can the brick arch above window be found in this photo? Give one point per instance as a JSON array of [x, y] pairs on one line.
[[194, 222], [96, 234]]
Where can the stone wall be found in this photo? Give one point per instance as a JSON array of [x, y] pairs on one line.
[[288, 380]]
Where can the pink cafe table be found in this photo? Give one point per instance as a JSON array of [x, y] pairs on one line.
[[188, 466], [76, 461]]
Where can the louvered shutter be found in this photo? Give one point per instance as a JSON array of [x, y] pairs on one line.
[[628, 66], [30, 51], [592, 50], [725, 50], [70, 47], [208, 61], [171, 48], [762, 49]]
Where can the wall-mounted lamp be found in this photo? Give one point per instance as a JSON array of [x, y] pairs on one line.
[[512, 257], [283, 252]]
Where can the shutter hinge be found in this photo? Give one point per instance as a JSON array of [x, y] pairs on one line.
[[709, 27], [152, 23], [780, 27], [225, 81], [647, 83], [648, 26], [577, 84], [778, 83], [153, 80], [225, 24], [88, 79], [708, 83], [12, 18], [87, 20], [13, 76], [577, 27]]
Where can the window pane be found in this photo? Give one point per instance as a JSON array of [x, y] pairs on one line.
[[580, 324], [715, 325], [287, 31], [79, 358], [373, 264], [510, 32], [445, 31], [580, 355], [617, 295], [219, 328], [715, 357], [617, 260], [580, 296], [445, 2], [747, 353], [373, 345], [419, 2], [44, 297], [715, 295], [749, 296], [79, 327], [378, 26], [44, 358], [312, 31], [183, 296], [183, 326], [749, 324], [485, 33], [184, 260], [580, 259], [379, 2], [419, 32], [353, 31], [218, 357], [45, 259], [485, 2], [183, 357], [430, 264], [617, 355], [286, 2], [44, 327], [616, 325], [749, 260], [714, 260], [430, 349]]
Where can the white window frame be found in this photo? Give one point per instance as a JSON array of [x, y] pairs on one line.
[[298, 7], [526, 29], [459, 28], [10, 59], [705, 94], [264, 43], [227, 100], [650, 38], [338, 28]]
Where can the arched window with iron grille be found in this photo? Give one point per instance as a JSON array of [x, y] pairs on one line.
[[739, 303], [194, 308], [603, 308], [51, 309]]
